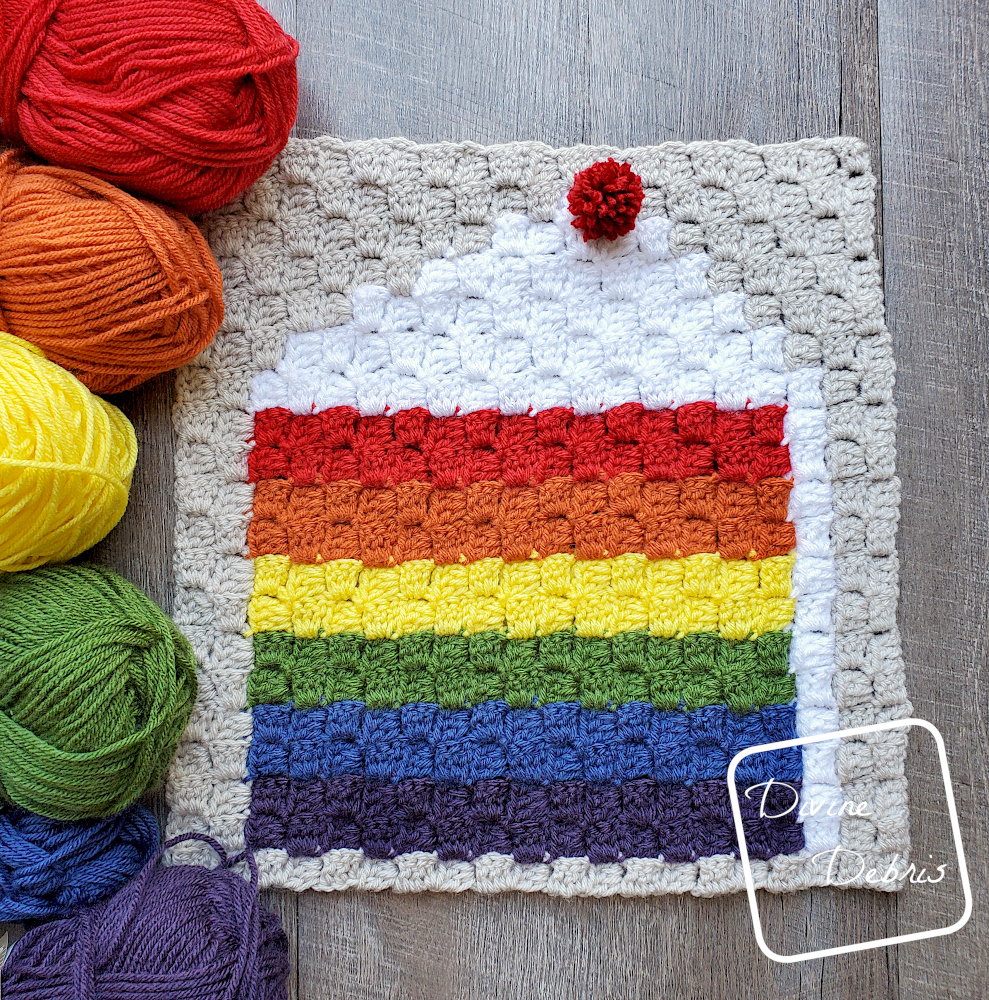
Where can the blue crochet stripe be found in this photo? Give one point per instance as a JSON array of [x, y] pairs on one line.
[[557, 742]]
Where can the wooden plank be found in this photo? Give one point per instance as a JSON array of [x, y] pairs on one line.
[[433, 946], [459, 70], [286, 905], [934, 113], [140, 547], [520, 946], [860, 92], [285, 12], [764, 70]]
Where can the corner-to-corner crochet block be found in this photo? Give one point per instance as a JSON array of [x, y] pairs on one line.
[[496, 544]]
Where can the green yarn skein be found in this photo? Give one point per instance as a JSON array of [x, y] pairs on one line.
[[96, 686]]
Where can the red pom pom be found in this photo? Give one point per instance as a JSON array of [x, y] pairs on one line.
[[605, 199]]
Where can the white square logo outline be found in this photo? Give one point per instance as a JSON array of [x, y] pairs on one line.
[[800, 741]]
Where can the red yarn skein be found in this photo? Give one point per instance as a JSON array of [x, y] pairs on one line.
[[185, 101], [605, 200]]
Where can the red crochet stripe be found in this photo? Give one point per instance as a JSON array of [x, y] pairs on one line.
[[487, 446]]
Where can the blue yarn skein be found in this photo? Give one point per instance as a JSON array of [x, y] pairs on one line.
[[49, 868]]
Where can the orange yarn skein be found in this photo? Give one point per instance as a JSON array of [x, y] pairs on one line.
[[113, 288]]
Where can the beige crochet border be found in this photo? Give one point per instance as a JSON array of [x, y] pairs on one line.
[[790, 224]]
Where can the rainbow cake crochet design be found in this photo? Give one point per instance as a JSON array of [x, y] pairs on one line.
[[499, 537]]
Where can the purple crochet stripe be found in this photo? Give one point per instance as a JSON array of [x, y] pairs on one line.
[[603, 822]]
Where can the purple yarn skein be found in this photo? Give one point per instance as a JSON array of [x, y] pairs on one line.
[[49, 868], [184, 932]]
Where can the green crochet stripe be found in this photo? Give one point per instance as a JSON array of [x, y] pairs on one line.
[[457, 671]]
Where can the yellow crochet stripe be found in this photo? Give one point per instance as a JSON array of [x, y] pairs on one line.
[[737, 598]]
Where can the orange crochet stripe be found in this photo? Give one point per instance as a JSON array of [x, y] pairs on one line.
[[589, 520]]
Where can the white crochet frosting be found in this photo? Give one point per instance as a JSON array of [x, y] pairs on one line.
[[539, 319], [386, 275]]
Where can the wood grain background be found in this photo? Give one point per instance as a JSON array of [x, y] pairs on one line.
[[909, 76]]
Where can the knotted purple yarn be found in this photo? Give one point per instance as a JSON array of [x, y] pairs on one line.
[[49, 868], [183, 932]]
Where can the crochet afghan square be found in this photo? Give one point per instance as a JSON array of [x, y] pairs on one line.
[[496, 543]]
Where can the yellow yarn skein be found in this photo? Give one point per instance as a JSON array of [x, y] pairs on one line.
[[66, 461]]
